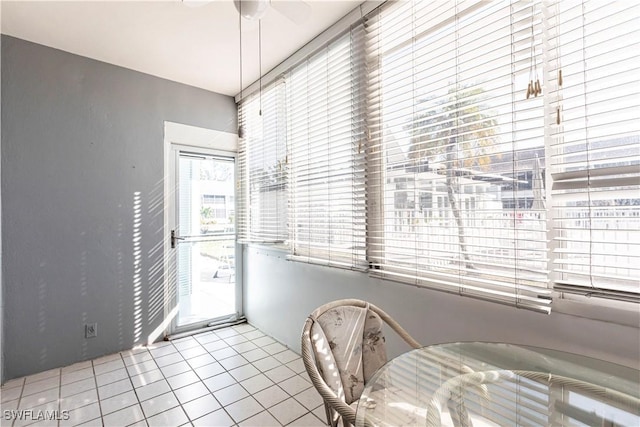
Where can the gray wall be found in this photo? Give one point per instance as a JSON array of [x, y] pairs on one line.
[[279, 294], [82, 176]]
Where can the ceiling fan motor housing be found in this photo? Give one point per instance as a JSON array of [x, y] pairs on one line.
[[251, 9]]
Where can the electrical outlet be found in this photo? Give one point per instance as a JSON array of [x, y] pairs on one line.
[[90, 330]]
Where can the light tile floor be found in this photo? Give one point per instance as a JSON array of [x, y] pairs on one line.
[[236, 376]]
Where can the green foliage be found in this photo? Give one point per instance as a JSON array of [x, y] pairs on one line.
[[457, 130], [206, 212]]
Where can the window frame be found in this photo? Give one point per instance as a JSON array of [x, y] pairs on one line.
[[565, 302]]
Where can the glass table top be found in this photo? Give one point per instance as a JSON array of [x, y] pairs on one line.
[[492, 384]]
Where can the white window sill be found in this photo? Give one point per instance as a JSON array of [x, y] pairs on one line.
[[280, 250], [622, 313]]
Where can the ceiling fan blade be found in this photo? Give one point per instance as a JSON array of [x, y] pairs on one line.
[[297, 11]]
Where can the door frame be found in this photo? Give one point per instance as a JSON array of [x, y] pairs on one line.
[[194, 140]]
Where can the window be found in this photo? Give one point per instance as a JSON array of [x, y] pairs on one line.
[[436, 144], [327, 152], [595, 147], [459, 149], [263, 172], [213, 207]]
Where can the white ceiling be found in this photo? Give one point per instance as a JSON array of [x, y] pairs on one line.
[[198, 46]]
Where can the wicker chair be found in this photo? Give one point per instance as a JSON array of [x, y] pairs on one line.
[[342, 347]]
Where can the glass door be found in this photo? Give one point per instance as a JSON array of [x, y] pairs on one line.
[[204, 241]]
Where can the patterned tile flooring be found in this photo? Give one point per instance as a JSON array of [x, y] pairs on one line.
[[236, 376]]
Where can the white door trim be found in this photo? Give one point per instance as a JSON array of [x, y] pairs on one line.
[[182, 137]]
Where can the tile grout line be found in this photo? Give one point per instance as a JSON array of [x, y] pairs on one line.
[[164, 377], [223, 407], [133, 387], [134, 393], [229, 342], [95, 381], [180, 404], [210, 392], [59, 413], [24, 381], [241, 386], [276, 384]]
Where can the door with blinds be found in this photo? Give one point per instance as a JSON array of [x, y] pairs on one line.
[[203, 240]]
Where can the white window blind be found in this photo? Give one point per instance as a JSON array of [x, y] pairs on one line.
[[595, 146], [327, 153], [483, 173], [457, 181], [262, 156]]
